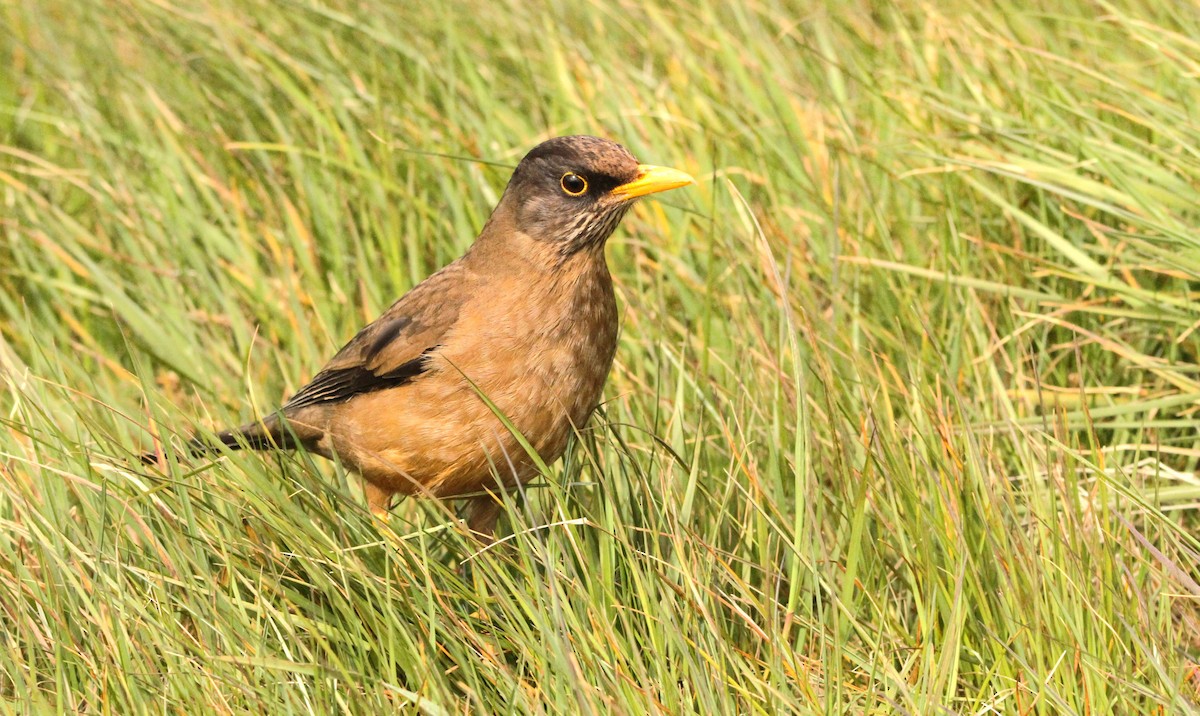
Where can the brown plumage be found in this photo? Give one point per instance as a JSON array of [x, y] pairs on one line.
[[526, 319]]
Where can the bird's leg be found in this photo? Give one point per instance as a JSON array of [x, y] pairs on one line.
[[482, 513], [379, 500]]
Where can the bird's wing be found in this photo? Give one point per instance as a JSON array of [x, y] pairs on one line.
[[392, 349]]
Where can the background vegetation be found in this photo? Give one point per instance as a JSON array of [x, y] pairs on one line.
[[903, 418]]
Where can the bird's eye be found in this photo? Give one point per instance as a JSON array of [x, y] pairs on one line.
[[574, 184]]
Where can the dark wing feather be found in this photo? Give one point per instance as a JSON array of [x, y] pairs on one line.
[[340, 384], [392, 350]]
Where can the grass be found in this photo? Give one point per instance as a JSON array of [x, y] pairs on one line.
[[903, 418]]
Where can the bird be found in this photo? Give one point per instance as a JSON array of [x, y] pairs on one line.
[[511, 343]]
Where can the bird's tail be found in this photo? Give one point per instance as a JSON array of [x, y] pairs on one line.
[[267, 434]]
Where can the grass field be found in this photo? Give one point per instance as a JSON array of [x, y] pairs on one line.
[[903, 418]]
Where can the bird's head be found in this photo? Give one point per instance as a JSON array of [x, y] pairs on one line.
[[573, 191]]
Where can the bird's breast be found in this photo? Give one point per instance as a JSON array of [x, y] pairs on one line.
[[541, 354]]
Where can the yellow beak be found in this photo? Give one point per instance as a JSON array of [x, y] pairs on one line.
[[651, 180]]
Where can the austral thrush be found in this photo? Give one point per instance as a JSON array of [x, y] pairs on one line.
[[523, 325]]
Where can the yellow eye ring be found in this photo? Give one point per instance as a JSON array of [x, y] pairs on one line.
[[573, 184]]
